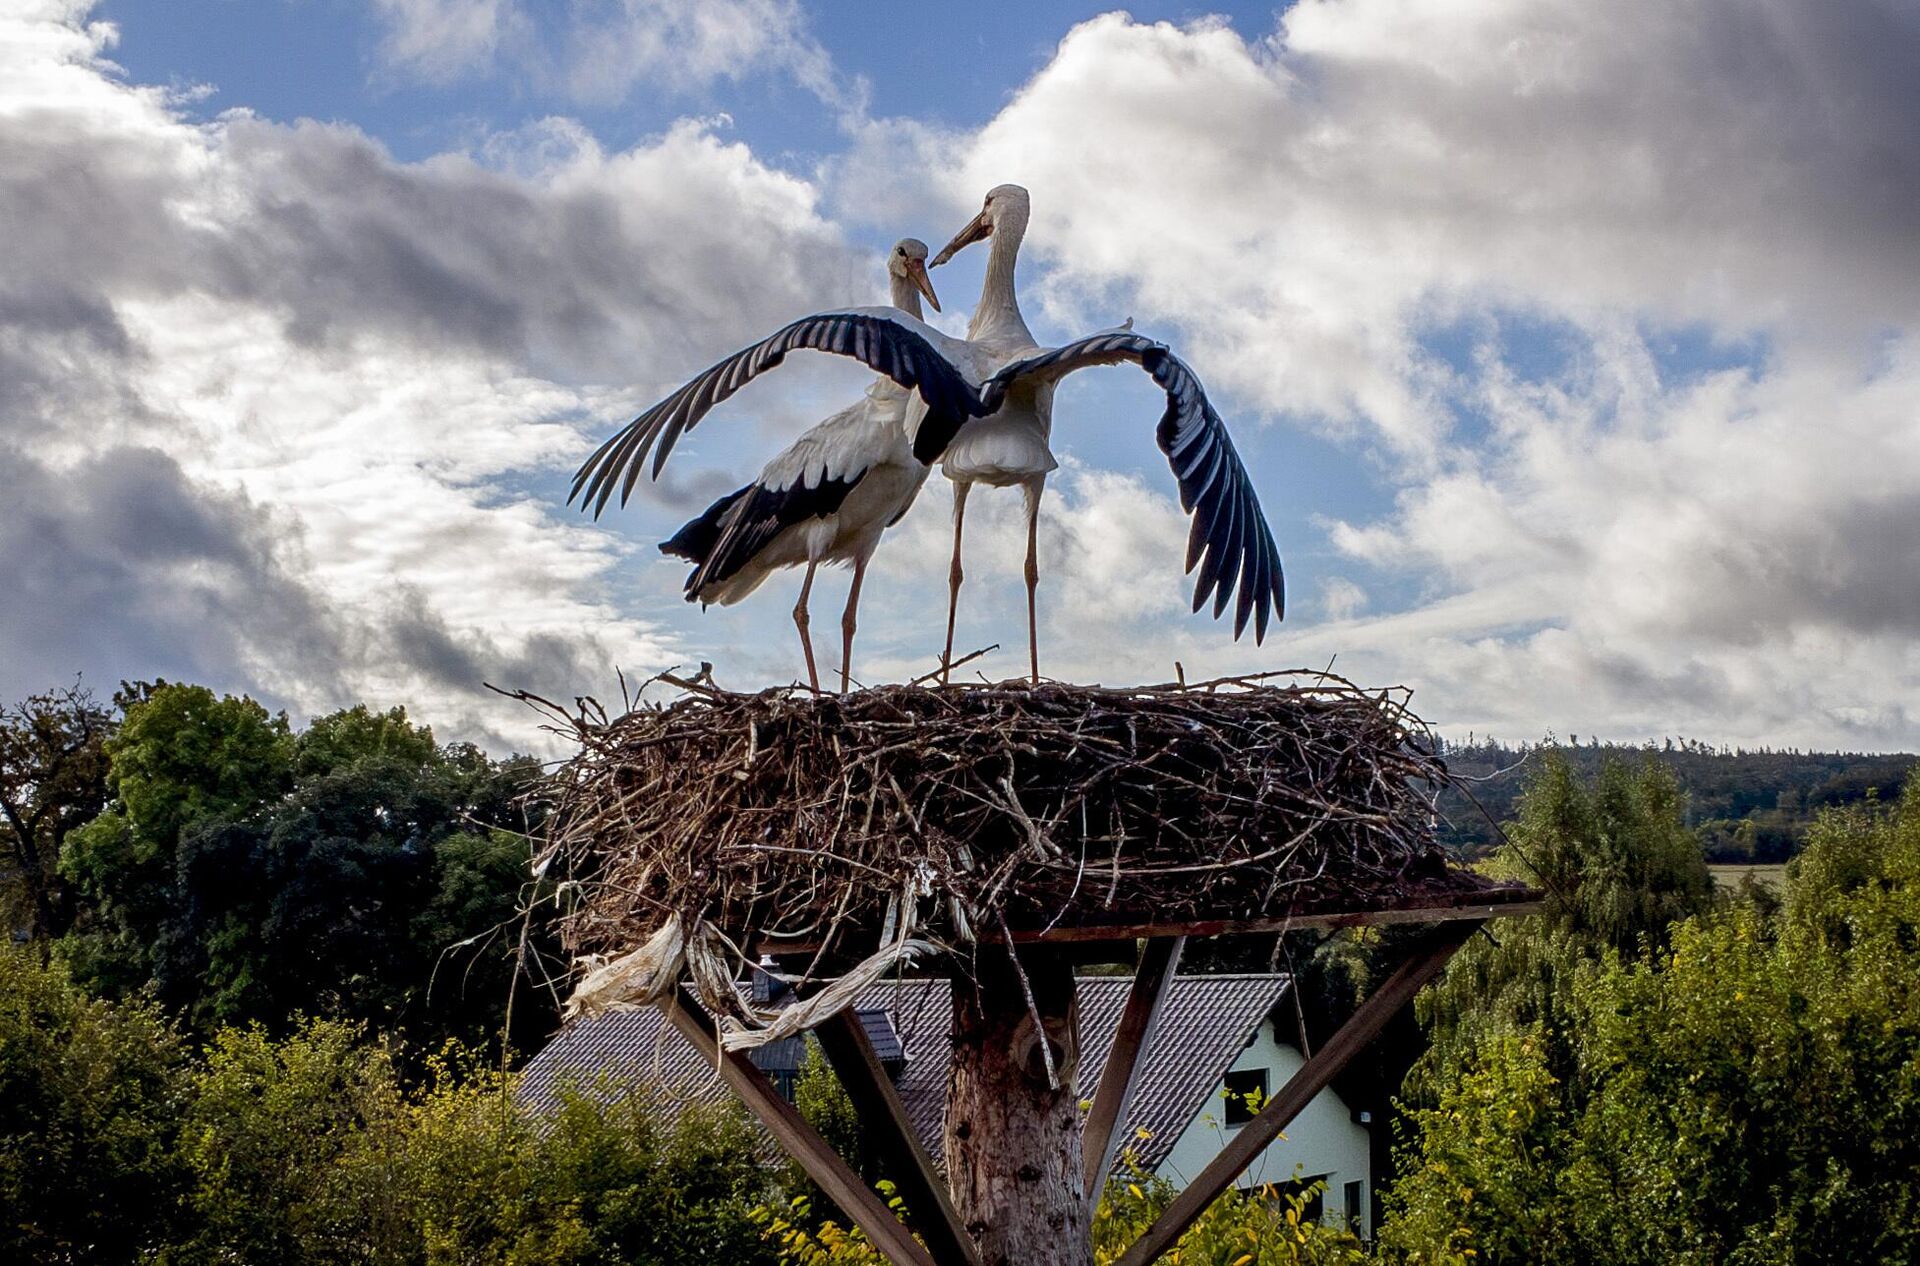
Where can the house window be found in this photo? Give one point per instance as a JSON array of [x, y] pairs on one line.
[[1355, 1192], [1246, 1094]]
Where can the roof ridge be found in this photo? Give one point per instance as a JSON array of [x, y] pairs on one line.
[[1262, 977]]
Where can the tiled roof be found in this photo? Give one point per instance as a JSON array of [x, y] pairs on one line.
[[1205, 1022]]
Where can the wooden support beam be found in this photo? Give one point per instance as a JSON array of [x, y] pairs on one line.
[[1099, 1138], [903, 1157], [1475, 907], [1313, 1077], [802, 1142], [1498, 903]]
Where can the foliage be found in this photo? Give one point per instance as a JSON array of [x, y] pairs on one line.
[[1617, 866], [1485, 1163], [183, 756], [1749, 1094], [1238, 1229], [53, 778], [267, 1127], [355, 869], [1747, 806], [89, 1096], [117, 1144]]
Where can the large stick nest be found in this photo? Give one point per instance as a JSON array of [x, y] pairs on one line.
[[960, 812]]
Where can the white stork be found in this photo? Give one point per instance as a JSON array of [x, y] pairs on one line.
[[987, 401], [825, 499]]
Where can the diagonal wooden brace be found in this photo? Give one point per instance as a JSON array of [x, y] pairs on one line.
[[1099, 1139], [903, 1158], [801, 1141], [1314, 1076]]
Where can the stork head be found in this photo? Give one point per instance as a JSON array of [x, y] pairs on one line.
[[907, 267], [1005, 211]]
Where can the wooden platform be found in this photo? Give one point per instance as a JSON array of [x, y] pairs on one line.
[[1481, 901], [938, 1236]]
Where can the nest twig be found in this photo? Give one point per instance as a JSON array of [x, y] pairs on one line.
[[823, 819]]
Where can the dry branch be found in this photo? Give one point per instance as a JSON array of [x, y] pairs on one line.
[[946, 813]]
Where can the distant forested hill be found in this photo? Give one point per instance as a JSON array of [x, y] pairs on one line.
[[1747, 806]]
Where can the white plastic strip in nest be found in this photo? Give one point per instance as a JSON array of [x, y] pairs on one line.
[[634, 980], [801, 1016]]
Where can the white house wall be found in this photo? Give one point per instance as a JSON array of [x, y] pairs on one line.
[[1323, 1139]]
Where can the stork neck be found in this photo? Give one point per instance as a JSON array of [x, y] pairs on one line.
[[906, 296], [999, 309]]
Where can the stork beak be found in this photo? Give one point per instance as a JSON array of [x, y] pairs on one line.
[[917, 273], [978, 228]]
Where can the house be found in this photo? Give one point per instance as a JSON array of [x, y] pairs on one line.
[[1217, 1034]]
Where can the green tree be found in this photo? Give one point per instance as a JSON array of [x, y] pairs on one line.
[[307, 1149], [183, 757], [355, 869], [265, 1133], [356, 734], [353, 896], [1618, 867], [89, 1097], [53, 778], [1745, 1094], [1238, 1229]]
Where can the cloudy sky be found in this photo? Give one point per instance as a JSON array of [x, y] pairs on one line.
[[1574, 347]]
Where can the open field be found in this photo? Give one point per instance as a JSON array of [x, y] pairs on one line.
[[1729, 874]]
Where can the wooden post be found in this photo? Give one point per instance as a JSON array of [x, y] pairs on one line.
[[1013, 1139], [844, 1187], [1159, 960], [1313, 1077], [903, 1158]]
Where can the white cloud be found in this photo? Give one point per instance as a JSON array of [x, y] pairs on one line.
[[333, 380], [441, 40], [598, 51], [1603, 542], [1308, 205], [1341, 598]]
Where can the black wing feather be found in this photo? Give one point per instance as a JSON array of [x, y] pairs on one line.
[[884, 345], [697, 537], [749, 519], [1230, 541]]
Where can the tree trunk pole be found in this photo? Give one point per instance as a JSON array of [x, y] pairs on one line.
[[1013, 1140]]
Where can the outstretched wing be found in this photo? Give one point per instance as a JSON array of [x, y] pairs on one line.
[[747, 521], [1229, 540], [886, 340]]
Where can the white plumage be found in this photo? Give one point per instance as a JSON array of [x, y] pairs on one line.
[[826, 498], [1011, 446], [981, 406]]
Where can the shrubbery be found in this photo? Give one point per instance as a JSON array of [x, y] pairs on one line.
[[1745, 1089], [221, 1045], [118, 1144], [1239, 1229]]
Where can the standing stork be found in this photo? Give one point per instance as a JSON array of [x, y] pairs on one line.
[[1009, 445], [988, 401], [826, 499], [1008, 448]]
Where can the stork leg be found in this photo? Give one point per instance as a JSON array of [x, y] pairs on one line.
[[1032, 489], [846, 622], [954, 576], [800, 622]]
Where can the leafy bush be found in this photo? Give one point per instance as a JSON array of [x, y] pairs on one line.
[[89, 1101], [1238, 1229], [119, 1144], [1750, 1094]]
